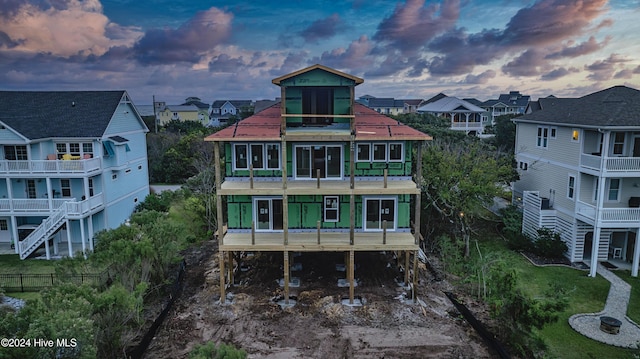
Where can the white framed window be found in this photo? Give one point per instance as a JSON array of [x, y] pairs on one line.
[[240, 156], [311, 160], [15, 153], [91, 187], [553, 131], [267, 214], [377, 210], [613, 192], [618, 143], [379, 152], [114, 177], [79, 149], [396, 154], [571, 187], [542, 139], [260, 156], [65, 187], [524, 166], [331, 208], [363, 152]]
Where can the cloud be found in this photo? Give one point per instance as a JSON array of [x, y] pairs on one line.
[[479, 79], [558, 73], [527, 63], [61, 28], [412, 25], [355, 57], [603, 70], [322, 29], [550, 21], [542, 25], [186, 43], [584, 48]]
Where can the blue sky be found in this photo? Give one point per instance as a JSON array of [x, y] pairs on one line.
[[405, 49]]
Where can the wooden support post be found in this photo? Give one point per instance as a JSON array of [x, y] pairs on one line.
[[253, 232], [251, 176], [352, 154], [352, 223], [286, 277], [285, 218], [222, 275], [351, 276], [318, 232], [318, 176], [418, 208], [415, 277], [406, 268], [386, 173], [283, 150], [384, 232], [231, 281], [218, 178]]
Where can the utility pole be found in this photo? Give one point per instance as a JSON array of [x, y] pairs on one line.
[[155, 116]]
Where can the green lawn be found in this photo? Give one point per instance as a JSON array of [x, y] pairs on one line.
[[586, 295], [11, 263]]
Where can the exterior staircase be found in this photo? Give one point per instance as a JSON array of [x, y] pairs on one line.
[[42, 233]]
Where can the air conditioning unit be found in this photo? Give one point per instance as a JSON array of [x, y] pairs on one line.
[[545, 203]]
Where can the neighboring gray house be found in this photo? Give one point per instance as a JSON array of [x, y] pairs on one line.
[[506, 104], [222, 110], [579, 166], [389, 105], [464, 116]]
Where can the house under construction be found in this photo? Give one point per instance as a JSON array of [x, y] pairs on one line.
[[318, 172]]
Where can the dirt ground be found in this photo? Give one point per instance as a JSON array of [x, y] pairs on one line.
[[319, 325]]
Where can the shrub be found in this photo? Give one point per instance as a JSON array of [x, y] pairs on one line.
[[549, 244], [223, 351]]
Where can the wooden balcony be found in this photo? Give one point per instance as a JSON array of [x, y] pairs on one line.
[[314, 242], [39, 167], [322, 187], [613, 166]]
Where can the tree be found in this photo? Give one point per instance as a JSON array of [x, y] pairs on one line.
[[460, 179], [505, 133]]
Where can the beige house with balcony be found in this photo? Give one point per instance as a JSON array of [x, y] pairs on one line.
[[579, 165]]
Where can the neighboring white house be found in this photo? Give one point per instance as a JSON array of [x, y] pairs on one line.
[[73, 163], [464, 116], [512, 103], [579, 166]]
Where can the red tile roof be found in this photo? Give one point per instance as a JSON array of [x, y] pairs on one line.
[[370, 125]]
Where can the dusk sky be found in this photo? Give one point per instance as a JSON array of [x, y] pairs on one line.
[[219, 50]]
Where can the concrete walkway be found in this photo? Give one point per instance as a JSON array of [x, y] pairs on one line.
[[588, 324]]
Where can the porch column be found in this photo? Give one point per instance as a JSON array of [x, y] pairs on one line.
[[636, 255], [14, 233], [83, 237], [10, 192], [46, 249], [599, 204], [90, 224], [49, 193], [69, 238], [85, 189], [414, 293]]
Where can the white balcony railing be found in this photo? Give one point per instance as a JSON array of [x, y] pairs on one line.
[[609, 216], [611, 164], [42, 205], [50, 166], [466, 125]]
